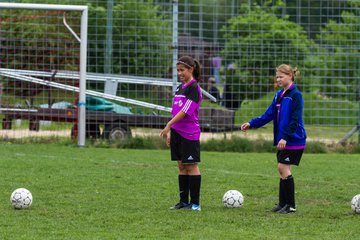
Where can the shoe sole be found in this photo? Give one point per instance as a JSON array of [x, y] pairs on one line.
[[174, 208], [198, 209], [286, 212]]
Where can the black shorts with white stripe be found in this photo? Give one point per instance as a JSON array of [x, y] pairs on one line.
[[184, 150], [291, 157]]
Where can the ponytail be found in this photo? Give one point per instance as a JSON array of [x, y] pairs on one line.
[[197, 71], [296, 72]]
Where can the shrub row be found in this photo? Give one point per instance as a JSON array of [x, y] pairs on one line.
[[235, 144]]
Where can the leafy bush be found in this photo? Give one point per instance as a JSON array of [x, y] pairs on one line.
[[315, 147], [341, 60], [134, 49]]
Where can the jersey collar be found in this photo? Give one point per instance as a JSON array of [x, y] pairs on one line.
[[292, 86], [187, 84]]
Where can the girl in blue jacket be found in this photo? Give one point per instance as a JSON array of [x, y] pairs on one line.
[[286, 112]]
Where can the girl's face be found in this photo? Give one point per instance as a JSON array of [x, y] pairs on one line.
[[184, 73], [283, 79]]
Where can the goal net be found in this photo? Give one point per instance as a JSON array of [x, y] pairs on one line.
[[42, 70]]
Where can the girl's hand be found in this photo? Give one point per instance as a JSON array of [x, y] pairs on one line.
[[245, 127], [164, 133], [281, 145], [168, 141]]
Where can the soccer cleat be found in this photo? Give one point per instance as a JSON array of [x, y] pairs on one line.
[[195, 207], [287, 209], [276, 208], [180, 205]]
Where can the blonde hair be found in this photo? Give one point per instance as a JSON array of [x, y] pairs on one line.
[[288, 70]]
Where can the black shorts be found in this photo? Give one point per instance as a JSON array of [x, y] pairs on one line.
[[184, 150], [291, 157]]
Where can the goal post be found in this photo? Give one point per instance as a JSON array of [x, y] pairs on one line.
[[83, 52]]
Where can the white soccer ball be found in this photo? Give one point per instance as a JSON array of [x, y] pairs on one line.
[[233, 199], [21, 198], [355, 204]]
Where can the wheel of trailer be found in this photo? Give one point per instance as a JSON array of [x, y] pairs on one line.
[[93, 131], [116, 132], [74, 131]]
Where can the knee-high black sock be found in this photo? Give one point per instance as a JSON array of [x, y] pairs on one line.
[[290, 191], [282, 200], [195, 184], [184, 188]]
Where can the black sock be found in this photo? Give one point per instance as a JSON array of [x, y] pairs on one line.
[[184, 188], [282, 200], [195, 183], [289, 191]]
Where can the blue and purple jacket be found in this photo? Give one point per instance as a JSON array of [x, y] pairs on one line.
[[187, 99], [286, 111]]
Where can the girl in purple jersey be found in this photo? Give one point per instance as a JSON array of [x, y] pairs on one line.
[[184, 129]]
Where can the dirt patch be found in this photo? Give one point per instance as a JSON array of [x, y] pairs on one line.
[[27, 133], [145, 132]]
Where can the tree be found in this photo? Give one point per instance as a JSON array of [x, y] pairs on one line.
[[141, 38], [341, 55], [256, 42]]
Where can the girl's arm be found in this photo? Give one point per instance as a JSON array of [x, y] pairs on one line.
[[263, 119]]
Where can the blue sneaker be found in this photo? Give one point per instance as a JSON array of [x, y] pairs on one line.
[[195, 207]]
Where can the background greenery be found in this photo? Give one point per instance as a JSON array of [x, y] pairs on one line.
[[320, 37]]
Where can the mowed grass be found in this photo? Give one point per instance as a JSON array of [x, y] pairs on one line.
[[94, 193]]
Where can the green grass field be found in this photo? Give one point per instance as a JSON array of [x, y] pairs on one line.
[[96, 193]]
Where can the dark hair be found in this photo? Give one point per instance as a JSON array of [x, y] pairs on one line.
[[189, 62]]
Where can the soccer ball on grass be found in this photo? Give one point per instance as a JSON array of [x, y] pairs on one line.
[[21, 198], [355, 204], [233, 199]]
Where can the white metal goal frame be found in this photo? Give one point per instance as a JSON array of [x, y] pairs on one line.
[[83, 52]]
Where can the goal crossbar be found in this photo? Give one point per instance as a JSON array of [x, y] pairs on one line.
[[33, 6]]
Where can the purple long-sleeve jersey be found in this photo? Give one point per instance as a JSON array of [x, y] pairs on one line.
[[187, 99]]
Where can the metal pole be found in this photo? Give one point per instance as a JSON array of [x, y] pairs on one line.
[[283, 10], [82, 85], [186, 17], [298, 12], [109, 32], [215, 23], [358, 125], [200, 20], [175, 44], [110, 86]]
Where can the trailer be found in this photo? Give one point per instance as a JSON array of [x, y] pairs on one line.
[[115, 125]]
